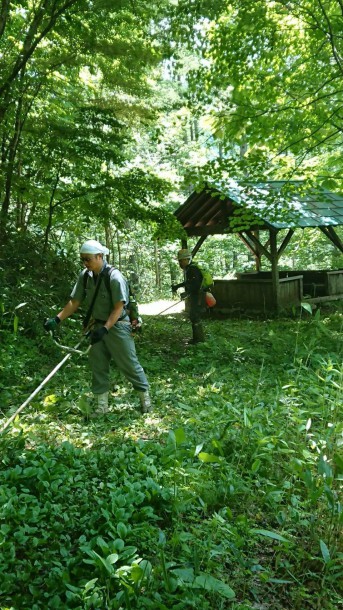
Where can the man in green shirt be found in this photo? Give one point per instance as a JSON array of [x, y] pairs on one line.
[[111, 337]]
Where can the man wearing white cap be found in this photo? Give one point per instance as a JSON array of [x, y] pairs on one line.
[[192, 283], [111, 337]]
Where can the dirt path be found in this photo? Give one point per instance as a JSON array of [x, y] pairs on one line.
[[154, 308]]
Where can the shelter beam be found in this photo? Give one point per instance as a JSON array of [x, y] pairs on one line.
[[285, 242], [250, 246], [260, 247], [331, 234], [198, 245]]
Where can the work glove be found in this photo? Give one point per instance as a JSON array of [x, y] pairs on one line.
[[51, 323], [98, 334], [173, 288]]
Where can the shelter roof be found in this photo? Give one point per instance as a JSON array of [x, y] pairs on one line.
[[251, 206]]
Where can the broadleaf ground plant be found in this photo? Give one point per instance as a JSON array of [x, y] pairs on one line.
[[228, 495]]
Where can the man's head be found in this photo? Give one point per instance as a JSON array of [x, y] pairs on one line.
[[184, 257], [92, 254]]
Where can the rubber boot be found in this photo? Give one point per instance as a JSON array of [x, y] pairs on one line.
[[145, 402], [101, 404], [198, 334]]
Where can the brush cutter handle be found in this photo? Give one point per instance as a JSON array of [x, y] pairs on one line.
[[75, 350]]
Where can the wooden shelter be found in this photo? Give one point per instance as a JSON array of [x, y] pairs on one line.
[[251, 210]]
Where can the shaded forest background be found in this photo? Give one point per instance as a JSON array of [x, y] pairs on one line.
[[112, 113]]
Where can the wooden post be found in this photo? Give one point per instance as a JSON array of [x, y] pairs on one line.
[[275, 269], [258, 255]]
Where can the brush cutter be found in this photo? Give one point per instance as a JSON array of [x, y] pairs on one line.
[[210, 302], [71, 350], [170, 306]]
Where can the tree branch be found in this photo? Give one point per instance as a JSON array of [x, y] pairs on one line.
[[33, 39], [331, 36]]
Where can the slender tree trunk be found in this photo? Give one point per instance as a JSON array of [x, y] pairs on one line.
[[12, 151], [52, 208], [157, 266], [119, 251]]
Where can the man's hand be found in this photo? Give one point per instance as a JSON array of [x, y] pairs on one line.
[[136, 325], [98, 334], [51, 323]]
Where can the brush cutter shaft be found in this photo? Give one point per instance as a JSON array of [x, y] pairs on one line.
[[44, 382], [170, 306]]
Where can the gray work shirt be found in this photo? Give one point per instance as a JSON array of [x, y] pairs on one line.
[[103, 304]]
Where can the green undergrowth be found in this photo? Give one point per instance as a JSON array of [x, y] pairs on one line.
[[227, 495]]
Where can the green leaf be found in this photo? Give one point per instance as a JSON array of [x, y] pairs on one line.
[[122, 530], [136, 573], [90, 584], [208, 457], [209, 583], [198, 448], [184, 574], [325, 551], [84, 405], [269, 534], [338, 462], [256, 465], [180, 436], [307, 307], [113, 558]]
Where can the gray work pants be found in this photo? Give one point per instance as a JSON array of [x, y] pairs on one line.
[[118, 345]]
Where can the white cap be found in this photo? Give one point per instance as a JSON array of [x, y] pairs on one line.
[[184, 253], [91, 246]]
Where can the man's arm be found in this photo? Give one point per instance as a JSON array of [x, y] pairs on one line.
[[69, 309], [114, 315]]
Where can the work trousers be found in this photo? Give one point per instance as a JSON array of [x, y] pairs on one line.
[[196, 307], [118, 345]]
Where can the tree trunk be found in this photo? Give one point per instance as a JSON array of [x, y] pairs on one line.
[[12, 151], [157, 266], [52, 207], [119, 251]]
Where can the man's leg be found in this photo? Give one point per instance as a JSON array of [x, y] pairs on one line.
[[121, 346], [99, 361], [195, 318]]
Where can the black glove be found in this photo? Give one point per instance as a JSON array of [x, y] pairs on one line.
[[173, 288], [51, 323], [98, 334]]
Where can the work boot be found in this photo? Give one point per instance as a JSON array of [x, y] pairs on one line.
[[101, 404], [145, 402], [198, 334]]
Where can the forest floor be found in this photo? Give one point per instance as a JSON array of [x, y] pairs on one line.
[[226, 496]]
